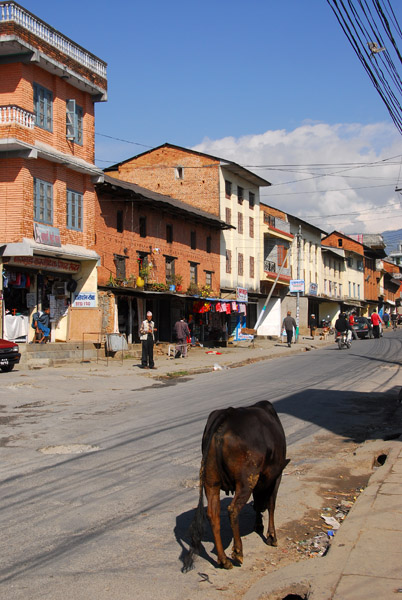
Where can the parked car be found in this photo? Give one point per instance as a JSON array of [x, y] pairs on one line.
[[9, 355], [364, 328]]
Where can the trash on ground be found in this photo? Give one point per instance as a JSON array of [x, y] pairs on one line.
[[213, 352], [217, 367], [331, 521]]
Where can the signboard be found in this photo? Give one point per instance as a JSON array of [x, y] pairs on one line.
[[85, 300], [296, 285], [313, 289], [46, 262], [241, 295], [31, 299], [44, 234]]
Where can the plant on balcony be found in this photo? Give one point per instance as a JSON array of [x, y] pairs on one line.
[[158, 287], [193, 290], [177, 281], [206, 291]]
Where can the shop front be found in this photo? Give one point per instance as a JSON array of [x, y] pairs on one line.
[[32, 282]]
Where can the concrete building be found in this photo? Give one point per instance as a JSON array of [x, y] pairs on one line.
[[48, 88], [220, 187]]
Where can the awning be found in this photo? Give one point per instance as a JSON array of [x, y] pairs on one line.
[[391, 302], [29, 247]]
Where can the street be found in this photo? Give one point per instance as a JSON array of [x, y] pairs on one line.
[[109, 521]]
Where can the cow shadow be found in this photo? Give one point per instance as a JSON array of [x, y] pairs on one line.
[[184, 520]]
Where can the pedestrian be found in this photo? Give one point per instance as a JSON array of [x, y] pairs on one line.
[[191, 328], [41, 324], [182, 333], [376, 320], [312, 324], [147, 338], [394, 319], [352, 322], [385, 318], [288, 325]]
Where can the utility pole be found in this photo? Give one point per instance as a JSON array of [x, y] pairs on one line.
[[298, 235]]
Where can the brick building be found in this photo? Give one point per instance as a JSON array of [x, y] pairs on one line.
[[156, 253], [220, 187], [48, 87]]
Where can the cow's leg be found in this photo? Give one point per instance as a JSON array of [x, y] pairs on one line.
[[271, 533], [213, 511], [241, 496]]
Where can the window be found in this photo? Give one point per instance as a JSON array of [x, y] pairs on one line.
[[240, 223], [354, 290], [360, 266], [193, 240], [340, 242], [349, 261], [251, 200], [169, 234], [281, 252], [228, 188], [74, 116], [240, 262], [43, 107], [193, 272], [74, 210], [269, 220], [325, 286], [169, 268], [142, 259], [252, 273], [358, 290], [228, 261], [251, 226], [120, 263], [43, 201], [208, 278], [228, 216], [209, 244], [143, 226], [119, 221], [240, 194], [350, 289], [340, 290], [179, 172]]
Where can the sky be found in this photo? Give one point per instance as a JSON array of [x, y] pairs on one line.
[[271, 85]]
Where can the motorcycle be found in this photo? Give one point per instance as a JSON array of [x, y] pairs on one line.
[[343, 340]]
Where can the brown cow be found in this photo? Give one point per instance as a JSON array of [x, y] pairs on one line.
[[243, 452]]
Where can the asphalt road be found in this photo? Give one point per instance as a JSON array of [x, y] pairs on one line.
[[109, 523]]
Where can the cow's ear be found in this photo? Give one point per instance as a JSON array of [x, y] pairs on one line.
[[287, 461]]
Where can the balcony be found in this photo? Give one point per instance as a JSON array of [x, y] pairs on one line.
[[276, 227], [271, 270], [12, 12], [14, 115]]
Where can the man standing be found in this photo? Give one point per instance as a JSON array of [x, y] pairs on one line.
[[312, 324], [351, 323], [289, 324], [147, 338], [182, 333], [376, 320]]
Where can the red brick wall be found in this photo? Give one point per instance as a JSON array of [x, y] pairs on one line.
[[347, 243], [155, 171], [110, 242]]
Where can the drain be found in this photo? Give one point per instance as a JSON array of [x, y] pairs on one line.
[[380, 460], [295, 597], [69, 449]]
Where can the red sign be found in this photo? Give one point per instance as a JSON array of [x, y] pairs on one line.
[[46, 262]]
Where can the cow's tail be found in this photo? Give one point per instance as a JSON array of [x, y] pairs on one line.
[[197, 526]]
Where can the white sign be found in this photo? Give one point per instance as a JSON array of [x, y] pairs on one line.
[[296, 285], [85, 300], [241, 295]]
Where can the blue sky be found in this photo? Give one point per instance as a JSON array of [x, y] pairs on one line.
[[229, 76]]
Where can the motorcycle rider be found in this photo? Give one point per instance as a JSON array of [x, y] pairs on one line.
[[342, 325]]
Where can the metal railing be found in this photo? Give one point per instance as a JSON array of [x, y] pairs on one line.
[[272, 267], [11, 11], [10, 115]]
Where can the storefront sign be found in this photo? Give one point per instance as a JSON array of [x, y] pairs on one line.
[[85, 300], [45, 262], [241, 295], [313, 289], [31, 299], [296, 285], [44, 234]]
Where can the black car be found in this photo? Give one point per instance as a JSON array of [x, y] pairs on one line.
[[9, 355], [363, 327]]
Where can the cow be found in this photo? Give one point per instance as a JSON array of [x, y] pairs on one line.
[[243, 453]]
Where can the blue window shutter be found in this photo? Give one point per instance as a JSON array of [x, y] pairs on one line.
[[70, 120]]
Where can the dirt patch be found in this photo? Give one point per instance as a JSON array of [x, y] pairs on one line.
[[7, 420]]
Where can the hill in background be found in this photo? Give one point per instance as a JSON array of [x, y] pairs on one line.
[[392, 239]]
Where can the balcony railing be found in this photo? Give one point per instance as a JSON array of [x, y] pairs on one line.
[[10, 11], [272, 267], [14, 115]]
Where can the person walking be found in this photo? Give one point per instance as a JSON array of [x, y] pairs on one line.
[[394, 319], [385, 318], [147, 338], [313, 325], [352, 322], [288, 325], [182, 333], [376, 320]]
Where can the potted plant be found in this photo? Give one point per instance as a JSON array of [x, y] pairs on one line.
[[177, 281], [193, 290]]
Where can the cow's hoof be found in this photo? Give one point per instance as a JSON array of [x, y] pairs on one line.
[[237, 558], [226, 564], [271, 541]]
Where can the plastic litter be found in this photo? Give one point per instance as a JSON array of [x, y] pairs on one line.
[[217, 367], [331, 521]]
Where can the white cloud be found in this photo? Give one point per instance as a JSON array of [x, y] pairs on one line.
[[362, 198]]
